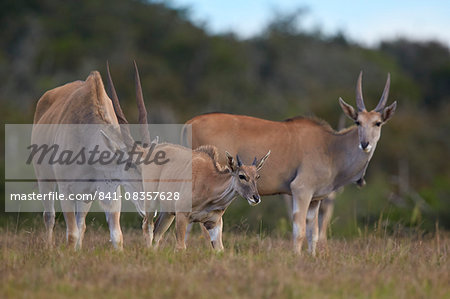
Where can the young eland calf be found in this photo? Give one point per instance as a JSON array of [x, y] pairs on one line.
[[214, 187]]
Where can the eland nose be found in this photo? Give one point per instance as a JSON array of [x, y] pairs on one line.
[[364, 145], [256, 198]]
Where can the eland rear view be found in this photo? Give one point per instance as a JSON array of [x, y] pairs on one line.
[[72, 117]]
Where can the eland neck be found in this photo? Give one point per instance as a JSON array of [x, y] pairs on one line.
[[350, 161], [225, 191]]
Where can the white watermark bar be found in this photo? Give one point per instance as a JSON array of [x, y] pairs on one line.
[[73, 167]]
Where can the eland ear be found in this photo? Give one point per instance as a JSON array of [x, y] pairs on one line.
[[348, 109], [262, 161], [239, 162], [230, 162], [389, 111], [110, 142]]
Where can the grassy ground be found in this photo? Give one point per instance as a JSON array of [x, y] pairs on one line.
[[371, 266]]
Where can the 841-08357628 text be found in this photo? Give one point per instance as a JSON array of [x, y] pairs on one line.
[[98, 195]]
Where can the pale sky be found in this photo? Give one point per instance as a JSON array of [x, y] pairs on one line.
[[365, 21]]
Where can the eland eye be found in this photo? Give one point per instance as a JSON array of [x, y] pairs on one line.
[[378, 123], [357, 123], [242, 177], [258, 176]]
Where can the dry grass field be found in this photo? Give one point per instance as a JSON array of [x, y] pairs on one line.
[[251, 267]]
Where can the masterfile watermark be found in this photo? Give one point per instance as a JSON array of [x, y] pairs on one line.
[[79, 166], [95, 156], [57, 196]]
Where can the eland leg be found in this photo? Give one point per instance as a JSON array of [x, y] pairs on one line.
[[72, 232], [325, 214], [312, 226], [49, 211], [215, 234], [162, 224], [112, 212], [206, 235], [115, 232], [147, 229], [82, 210], [181, 225], [188, 231], [301, 201]]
